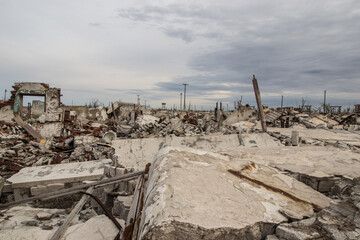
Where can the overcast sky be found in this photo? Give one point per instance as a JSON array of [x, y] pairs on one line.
[[115, 50]]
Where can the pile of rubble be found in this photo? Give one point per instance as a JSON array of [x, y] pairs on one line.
[[340, 220], [208, 165], [289, 118], [189, 124], [18, 149]]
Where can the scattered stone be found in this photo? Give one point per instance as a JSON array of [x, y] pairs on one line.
[[44, 216]]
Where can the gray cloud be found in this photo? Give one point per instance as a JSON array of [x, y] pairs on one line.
[[295, 48], [94, 24], [185, 35], [300, 53]]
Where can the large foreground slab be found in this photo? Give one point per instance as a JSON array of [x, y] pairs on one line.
[[202, 195]]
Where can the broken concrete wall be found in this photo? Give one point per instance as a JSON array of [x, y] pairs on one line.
[[239, 115], [52, 96], [27, 88], [51, 129], [52, 99], [84, 113]]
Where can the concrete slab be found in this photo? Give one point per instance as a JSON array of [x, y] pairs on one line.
[[327, 135], [187, 189], [59, 173], [136, 153], [316, 161]]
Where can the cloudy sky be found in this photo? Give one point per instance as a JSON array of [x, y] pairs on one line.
[[116, 50]]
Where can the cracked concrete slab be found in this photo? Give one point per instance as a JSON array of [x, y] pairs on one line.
[[192, 188], [136, 153]]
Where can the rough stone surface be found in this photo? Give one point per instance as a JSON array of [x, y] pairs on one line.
[[21, 222], [288, 232], [192, 187]]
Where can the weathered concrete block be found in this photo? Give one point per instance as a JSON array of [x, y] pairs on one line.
[[7, 188], [121, 206], [271, 237], [120, 171], [59, 173], [325, 185], [131, 186], [285, 231], [122, 187], [21, 193], [295, 138], [46, 189], [110, 171]]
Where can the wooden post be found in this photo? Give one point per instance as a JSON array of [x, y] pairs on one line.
[[325, 101], [259, 104]]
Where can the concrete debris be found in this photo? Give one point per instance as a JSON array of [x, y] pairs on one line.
[[214, 174], [340, 220], [98, 227]]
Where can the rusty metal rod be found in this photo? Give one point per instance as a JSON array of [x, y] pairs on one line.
[[107, 212]]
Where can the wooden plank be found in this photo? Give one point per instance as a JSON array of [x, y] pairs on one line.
[[28, 128], [259, 104], [61, 230]]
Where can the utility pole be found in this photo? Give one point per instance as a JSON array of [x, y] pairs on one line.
[[282, 101], [325, 101], [185, 95], [180, 101], [259, 104]]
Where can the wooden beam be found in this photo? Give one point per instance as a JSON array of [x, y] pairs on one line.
[[259, 104], [61, 230], [28, 128]]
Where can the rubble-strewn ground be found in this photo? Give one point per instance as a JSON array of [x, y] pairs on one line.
[[215, 174]]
